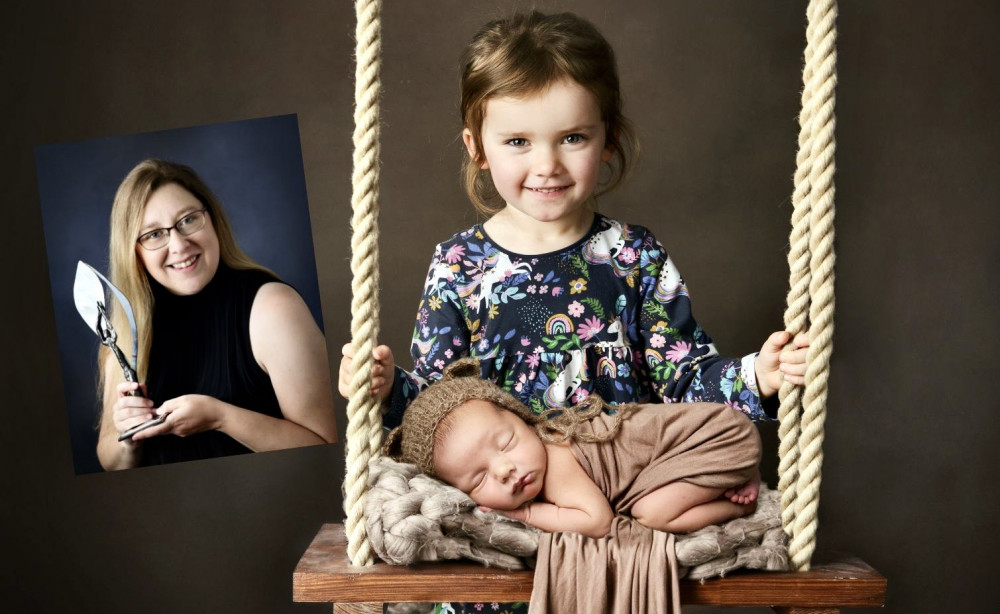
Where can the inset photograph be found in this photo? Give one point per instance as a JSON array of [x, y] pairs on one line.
[[186, 300]]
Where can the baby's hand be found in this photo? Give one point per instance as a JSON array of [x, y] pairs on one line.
[[383, 371], [775, 364], [521, 514]]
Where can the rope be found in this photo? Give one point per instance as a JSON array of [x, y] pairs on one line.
[[797, 310], [811, 281], [364, 422]]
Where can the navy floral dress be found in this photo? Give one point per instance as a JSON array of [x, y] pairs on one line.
[[608, 315]]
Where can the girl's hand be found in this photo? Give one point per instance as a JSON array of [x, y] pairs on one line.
[[775, 364], [186, 415], [130, 411], [383, 371]]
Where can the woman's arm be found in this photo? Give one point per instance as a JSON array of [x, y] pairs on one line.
[[290, 348], [573, 501]]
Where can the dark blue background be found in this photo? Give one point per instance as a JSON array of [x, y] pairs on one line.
[[253, 166]]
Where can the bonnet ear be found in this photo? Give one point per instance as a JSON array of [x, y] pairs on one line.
[[393, 446], [464, 367]]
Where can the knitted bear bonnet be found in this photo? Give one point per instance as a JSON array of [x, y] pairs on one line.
[[413, 441]]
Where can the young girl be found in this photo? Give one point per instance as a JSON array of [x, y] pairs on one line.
[[557, 300], [667, 467]]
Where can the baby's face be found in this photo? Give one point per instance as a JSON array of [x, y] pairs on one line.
[[491, 454]]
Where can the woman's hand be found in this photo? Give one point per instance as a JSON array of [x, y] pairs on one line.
[[383, 371], [776, 364], [130, 411], [186, 415]]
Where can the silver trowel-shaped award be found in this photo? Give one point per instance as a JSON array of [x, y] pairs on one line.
[[91, 302]]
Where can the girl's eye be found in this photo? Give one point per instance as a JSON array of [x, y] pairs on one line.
[[517, 142], [478, 481], [573, 139], [510, 441]]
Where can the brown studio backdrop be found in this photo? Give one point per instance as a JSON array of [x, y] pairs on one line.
[[713, 88]]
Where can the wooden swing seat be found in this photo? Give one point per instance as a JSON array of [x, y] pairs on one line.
[[324, 574]]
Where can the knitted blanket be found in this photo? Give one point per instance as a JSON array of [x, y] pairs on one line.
[[411, 517]]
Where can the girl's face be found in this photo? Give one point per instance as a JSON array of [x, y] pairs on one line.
[[491, 454], [186, 264], [544, 151]]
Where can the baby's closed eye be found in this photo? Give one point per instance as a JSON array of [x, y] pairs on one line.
[[478, 481]]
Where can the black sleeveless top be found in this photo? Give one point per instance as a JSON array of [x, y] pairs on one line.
[[201, 345]]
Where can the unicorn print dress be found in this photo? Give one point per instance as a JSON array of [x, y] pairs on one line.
[[608, 315]]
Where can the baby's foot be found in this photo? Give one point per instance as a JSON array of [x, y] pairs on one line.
[[747, 493]]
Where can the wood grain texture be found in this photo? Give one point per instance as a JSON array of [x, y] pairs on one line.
[[324, 574]]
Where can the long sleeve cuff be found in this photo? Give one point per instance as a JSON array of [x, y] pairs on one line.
[[398, 400], [748, 372]]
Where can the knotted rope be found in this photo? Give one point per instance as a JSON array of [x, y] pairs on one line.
[[364, 421], [811, 281]]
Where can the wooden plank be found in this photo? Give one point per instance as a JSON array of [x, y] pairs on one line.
[[836, 581], [324, 574]]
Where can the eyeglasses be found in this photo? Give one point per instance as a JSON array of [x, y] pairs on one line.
[[187, 225]]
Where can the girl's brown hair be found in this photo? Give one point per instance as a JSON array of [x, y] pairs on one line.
[[524, 54]]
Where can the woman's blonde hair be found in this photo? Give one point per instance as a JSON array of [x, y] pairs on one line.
[[524, 54], [126, 269]]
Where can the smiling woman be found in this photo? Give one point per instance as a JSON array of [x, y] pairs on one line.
[[229, 354]]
